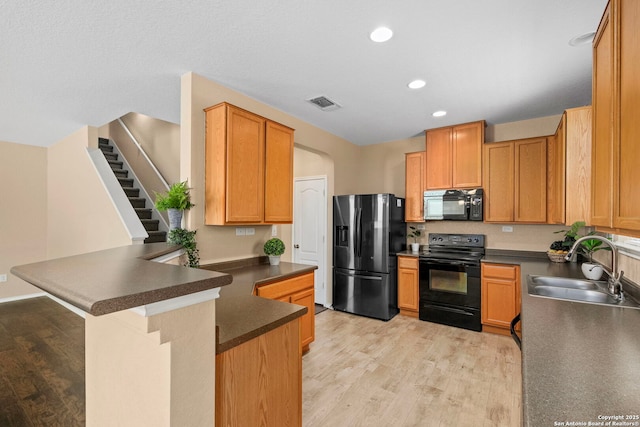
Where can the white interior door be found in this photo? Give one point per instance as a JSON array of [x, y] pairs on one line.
[[310, 229]]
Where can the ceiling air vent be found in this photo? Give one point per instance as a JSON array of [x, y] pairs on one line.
[[324, 103]]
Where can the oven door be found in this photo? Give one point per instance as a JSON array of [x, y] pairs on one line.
[[450, 282]]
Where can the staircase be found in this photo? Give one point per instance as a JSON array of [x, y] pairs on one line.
[[133, 194]]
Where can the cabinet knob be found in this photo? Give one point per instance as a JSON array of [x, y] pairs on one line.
[[296, 246]]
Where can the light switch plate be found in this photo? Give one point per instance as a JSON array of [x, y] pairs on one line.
[[3, 277], [250, 231], [274, 230], [240, 231], [507, 229]]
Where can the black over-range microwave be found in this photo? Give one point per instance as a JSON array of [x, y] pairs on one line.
[[455, 205]]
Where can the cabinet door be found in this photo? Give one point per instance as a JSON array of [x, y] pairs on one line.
[[414, 186], [438, 164], [307, 325], [556, 174], [500, 294], [626, 209], [603, 129], [245, 166], [498, 182], [467, 155], [530, 180], [578, 161], [408, 284], [278, 174]]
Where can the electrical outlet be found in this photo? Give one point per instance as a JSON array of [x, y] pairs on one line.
[[507, 229], [240, 231], [421, 227], [274, 230], [250, 231], [3, 277]]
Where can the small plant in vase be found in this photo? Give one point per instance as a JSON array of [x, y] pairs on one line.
[[175, 201], [590, 269], [273, 248], [414, 234]]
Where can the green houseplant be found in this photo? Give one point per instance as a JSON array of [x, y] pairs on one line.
[[176, 200], [274, 247], [187, 239], [559, 249], [414, 234]]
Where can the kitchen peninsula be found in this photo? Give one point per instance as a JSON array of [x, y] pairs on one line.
[[151, 331]]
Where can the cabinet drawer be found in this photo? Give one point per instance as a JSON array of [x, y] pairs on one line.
[[499, 271], [408, 262], [281, 288]]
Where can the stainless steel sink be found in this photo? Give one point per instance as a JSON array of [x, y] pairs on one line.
[[585, 295], [565, 288], [562, 282]]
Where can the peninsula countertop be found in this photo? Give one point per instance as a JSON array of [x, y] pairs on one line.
[[580, 361], [240, 315], [117, 279]]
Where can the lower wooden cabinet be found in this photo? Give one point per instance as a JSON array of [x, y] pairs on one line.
[[500, 296], [259, 382], [408, 279], [296, 290]]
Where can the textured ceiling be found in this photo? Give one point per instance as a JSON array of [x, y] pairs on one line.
[[65, 64]]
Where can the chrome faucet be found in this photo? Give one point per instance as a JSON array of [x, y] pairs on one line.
[[614, 285]]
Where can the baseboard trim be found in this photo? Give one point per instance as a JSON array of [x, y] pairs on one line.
[[21, 297]]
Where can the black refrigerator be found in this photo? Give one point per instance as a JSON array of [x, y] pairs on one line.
[[369, 230]]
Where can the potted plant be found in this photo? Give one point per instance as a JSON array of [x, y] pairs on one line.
[[590, 269], [274, 247], [414, 234], [176, 200], [560, 248], [187, 239]]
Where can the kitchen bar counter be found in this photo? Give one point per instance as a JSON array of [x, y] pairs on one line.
[[241, 316], [117, 279], [580, 362]]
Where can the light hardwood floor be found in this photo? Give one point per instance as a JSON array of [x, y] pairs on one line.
[[406, 372]]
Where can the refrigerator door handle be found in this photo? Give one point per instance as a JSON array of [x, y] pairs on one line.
[[360, 276], [358, 242]]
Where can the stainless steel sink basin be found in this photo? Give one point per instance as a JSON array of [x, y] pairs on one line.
[[562, 282], [566, 288], [585, 295]]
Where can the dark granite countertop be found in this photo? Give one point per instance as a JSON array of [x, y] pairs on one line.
[[117, 279], [580, 362], [241, 316]]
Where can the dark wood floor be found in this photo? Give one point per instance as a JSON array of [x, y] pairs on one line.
[[41, 364]]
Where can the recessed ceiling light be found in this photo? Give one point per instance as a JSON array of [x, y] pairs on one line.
[[381, 34], [440, 113], [585, 38], [417, 84]]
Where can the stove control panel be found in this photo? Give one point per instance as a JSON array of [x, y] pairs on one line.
[[456, 240]]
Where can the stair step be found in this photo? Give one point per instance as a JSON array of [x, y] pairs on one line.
[[103, 141], [106, 148], [131, 192], [115, 164], [110, 156], [126, 182], [120, 173], [150, 224], [138, 202], [156, 236], [143, 213]]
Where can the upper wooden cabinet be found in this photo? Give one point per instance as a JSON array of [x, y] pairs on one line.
[[616, 108], [414, 182], [569, 168], [248, 168], [515, 181], [454, 156]]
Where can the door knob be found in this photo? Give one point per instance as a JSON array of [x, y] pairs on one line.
[[296, 246]]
